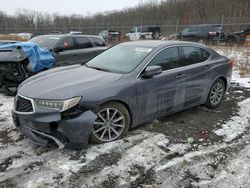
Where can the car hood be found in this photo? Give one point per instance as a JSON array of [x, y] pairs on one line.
[[65, 82]]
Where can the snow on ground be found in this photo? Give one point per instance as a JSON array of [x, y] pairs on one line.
[[238, 124]]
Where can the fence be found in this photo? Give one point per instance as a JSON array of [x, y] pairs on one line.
[[168, 27]]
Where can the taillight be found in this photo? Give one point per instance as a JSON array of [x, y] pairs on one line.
[[231, 63], [212, 33]]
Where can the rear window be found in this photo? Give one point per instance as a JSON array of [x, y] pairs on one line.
[[205, 55], [98, 42], [192, 55]]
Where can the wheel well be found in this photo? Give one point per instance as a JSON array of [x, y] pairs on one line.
[[125, 105], [224, 80], [233, 37]]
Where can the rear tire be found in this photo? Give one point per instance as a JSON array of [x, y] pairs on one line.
[[216, 94], [112, 123], [232, 41]]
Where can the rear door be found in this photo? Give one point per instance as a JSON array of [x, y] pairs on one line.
[[196, 73], [85, 49], [164, 93], [99, 45], [67, 54]]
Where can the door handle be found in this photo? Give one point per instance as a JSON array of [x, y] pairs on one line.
[[74, 55], [207, 66], [180, 75]]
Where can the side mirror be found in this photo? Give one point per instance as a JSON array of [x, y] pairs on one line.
[[151, 71]]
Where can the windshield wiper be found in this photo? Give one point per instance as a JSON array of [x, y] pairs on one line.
[[98, 68]]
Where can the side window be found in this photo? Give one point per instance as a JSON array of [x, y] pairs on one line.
[[83, 42], [67, 44], [167, 59], [133, 30], [205, 55], [192, 55], [98, 42]]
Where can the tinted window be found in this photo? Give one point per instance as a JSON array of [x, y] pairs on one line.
[[67, 44], [45, 41], [194, 29], [83, 42], [205, 55], [192, 55], [98, 42], [167, 59]]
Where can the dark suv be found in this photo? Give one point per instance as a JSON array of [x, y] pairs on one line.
[[238, 37], [206, 33], [71, 49]]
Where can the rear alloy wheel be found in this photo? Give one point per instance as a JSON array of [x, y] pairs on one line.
[[112, 123], [216, 94]]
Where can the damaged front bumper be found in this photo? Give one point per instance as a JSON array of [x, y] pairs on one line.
[[43, 126]]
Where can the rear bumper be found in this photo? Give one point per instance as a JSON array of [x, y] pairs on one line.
[[45, 127]]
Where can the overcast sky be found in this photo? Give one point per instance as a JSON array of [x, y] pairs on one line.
[[67, 6]]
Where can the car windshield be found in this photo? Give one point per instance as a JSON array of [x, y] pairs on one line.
[[47, 42], [119, 59]]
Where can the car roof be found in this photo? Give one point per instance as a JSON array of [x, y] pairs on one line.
[[66, 35], [158, 43], [205, 25], [147, 26]]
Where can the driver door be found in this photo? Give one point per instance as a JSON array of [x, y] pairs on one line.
[[67, 54]]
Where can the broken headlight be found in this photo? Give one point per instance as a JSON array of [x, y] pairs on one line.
[[61, 106]]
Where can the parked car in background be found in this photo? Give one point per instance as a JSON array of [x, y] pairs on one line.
[[55, 33], [144, 32], [106, 34], [71, 49], [238, 37], [75, 33], [125, 86], [25, 35], [205, 33], [20, 60], [66, 49]]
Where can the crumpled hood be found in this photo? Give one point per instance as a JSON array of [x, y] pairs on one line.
[[65, 82], [10, 55]]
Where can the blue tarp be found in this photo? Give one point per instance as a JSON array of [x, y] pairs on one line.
[[39, 58]]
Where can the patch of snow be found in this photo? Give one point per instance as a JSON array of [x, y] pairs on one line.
[[189, 156], [238, 124], [243, 82]]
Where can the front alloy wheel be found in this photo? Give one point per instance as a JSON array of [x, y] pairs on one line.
[[112, 123]]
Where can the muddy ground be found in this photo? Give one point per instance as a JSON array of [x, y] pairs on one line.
[[153, 155]]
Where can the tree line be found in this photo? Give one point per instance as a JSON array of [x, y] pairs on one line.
[[169, 14]]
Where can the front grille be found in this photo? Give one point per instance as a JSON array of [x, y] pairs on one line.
[[23, 105]]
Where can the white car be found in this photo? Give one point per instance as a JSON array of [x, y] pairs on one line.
[[144, 32]]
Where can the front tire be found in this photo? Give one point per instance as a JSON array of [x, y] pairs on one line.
[[216, 94], [112, 123]]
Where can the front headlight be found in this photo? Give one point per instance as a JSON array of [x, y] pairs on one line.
[[58, 105]]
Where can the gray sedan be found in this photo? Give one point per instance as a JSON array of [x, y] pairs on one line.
[[128, 85]]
